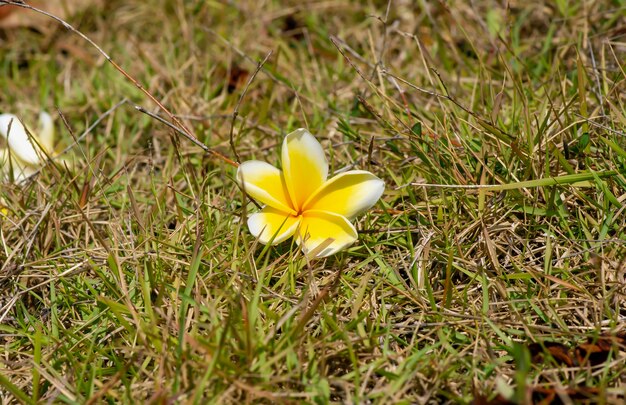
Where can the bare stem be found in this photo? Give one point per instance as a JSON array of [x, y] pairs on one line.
[[243, 94]]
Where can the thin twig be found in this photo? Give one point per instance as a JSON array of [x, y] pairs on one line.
[[590, 120], [336, 42], [281, 82], [445, 96], [81, 137], [174, 127], [236, 111], [383, 47], [596, 76]]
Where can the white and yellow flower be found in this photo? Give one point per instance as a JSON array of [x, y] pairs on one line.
[[25, 150], [301, 201]]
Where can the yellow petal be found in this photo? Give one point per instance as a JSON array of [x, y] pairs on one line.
[[264, 183], [46, 131], [271, 223], [4, 163], [317, 227], [304, 166], [4, 210], [348, 194], [13, 130]]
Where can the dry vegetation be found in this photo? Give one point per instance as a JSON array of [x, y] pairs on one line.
[[130, 277]]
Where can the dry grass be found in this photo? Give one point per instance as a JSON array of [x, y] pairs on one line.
[[131, 278]]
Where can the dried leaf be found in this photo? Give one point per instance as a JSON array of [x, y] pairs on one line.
[[559, 352], [552, 395], [5, 11], [596, 353], [237, 78], [14, 16], [293, 27]]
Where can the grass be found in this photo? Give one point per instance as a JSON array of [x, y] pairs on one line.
[[499, 132]]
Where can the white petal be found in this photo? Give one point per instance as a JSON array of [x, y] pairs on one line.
[[325, 233], [271, 223], [46, 131], [18, 139], [21, 173], [348, 194], [304, 166], [12, 165], [264, 183]]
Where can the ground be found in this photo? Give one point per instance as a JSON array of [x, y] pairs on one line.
[[492, 269]]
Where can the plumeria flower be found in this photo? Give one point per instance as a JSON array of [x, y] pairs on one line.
[[301, 201], [26, 150]]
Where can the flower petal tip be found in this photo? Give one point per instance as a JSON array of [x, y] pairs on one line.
[[348, 194], [318, 227], [264, 183], [271, 226], [305, 167], [18, 139]]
